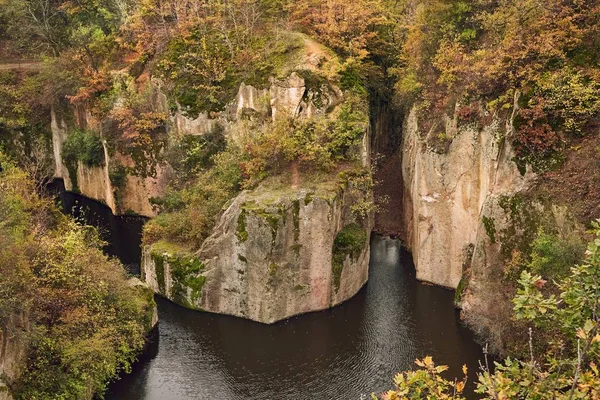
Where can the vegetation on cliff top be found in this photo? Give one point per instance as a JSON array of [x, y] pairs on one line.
[[87, 322]]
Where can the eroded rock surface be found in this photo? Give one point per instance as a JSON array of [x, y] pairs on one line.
[[271, 256], [446, 189]]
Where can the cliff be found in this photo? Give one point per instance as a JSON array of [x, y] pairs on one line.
[[275, 253], [446, 188]]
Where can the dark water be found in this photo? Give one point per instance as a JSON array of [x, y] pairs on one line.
[[343, 353]]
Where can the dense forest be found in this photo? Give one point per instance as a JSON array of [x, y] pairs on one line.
[[129, 65]]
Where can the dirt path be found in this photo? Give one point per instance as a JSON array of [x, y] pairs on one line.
[[25, 66]]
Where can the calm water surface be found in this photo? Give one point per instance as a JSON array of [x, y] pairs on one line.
[[343, 353]]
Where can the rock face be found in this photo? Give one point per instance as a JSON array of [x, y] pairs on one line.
[[272, 255], [95, 182], [447, 186], [509, 224], [284, 98]]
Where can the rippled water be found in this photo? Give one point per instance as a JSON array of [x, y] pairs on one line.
[[343, 353]]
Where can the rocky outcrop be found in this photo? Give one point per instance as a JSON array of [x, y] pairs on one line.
[[449, 178], [131, 196], [274, 254], [284, 98]]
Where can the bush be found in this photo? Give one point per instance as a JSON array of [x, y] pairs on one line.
[[553, 256], [319, 142], [87, 322], [188, 215], [193, 153], [84, 146]]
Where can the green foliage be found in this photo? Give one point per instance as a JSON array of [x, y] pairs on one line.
[[82, 146], [553, 256], [205, 65], [87, 322], [191, 153], [568, 369], [350, 241], [241, 233], [117, 175], [320, 142], [188, 214]]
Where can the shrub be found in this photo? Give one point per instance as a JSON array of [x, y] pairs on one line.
[[87, 323], [189, 214], [85, 146], [553, 256]]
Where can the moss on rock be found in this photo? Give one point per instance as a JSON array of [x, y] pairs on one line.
[[350, 241]]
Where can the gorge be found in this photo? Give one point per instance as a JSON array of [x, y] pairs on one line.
[[348, 351], [322, 199]]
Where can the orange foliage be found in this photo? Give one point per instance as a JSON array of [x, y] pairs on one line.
[[348, 27]]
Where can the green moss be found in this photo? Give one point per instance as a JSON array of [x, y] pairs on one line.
[[273, 221], [350, 241], [296, 248], [466, 274], [511, 204], [241, 232], [159, 268], [117, 175], [185, 269], [490, 228], [273, 269], [296, 217], [523, 226], [308, 198], [460, 290]]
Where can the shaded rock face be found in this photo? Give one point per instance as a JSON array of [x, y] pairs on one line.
[[509, 224], [446, 191], [270, 257]]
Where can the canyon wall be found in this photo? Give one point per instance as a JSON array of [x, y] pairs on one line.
[[450, 173]]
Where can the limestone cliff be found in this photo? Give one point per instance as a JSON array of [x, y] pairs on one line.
[[275, 253], [448, 178], [94, 182]]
